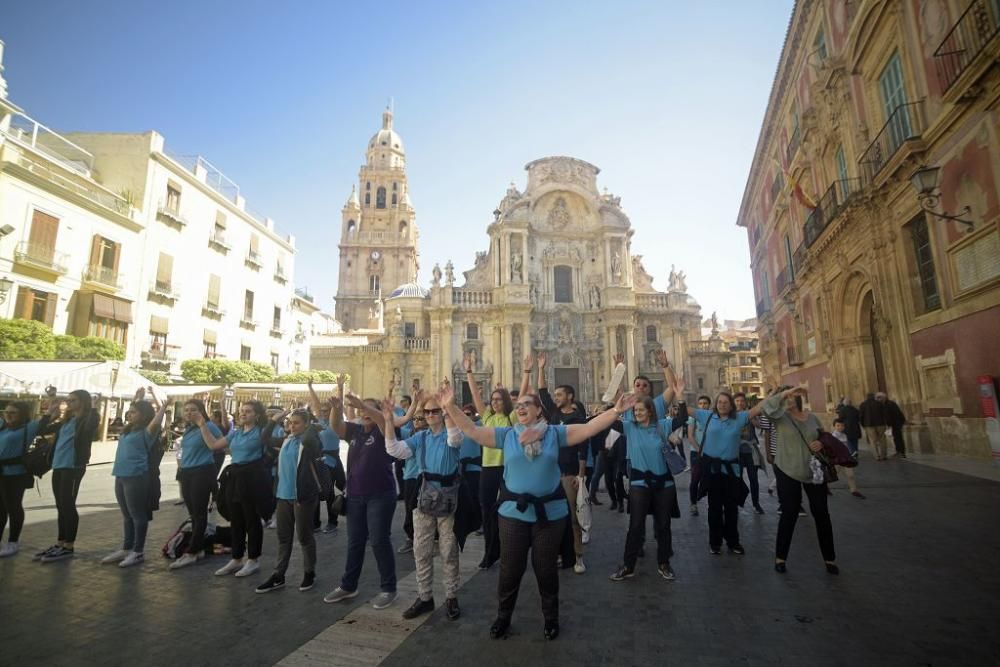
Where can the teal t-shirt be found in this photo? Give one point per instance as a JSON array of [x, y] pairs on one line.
[[194, 452], [288, 465], [331, 444], [13, 442], [644, 447], [432, 449], [246, 446], [132, 454], [470, 449], [658, 403], [538, 476], [722, 436], [65, 455]]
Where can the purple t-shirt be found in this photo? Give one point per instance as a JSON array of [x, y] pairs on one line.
[[369, 466]]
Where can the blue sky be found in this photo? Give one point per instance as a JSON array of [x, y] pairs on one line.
[[665, 97]]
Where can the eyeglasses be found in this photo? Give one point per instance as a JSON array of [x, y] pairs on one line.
[[526, 404], [432, 412], [419, 419]]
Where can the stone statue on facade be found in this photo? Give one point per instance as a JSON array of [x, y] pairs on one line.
[[515, 267], [565, 327], [715, 323], [677, 283], [616, 266], [595, 296], [436, 275], [449, 273], [533, 293], [559, 214]]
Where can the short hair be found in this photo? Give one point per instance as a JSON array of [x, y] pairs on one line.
[[568, 388], [515, 393], [469, 407], [838, 420], [738, 394], [643, 377], [707, 398], [406, 397]]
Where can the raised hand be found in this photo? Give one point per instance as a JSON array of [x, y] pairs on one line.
[[446, 395], [336, 404], [618, 359], [355, 402], [679, 386], [387, 410], [467, 362], [541, 360], [140, 393], [625, 402], [529, 361], [341, 379], [661, 358]]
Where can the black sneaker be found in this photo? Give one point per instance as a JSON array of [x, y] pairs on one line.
[[758, 509], [666, 571], [419, 607], [623, 573], [715, 551], [451, 605], [57, 553], [273, 583], [42, 554], [308, 581], [738, 550]]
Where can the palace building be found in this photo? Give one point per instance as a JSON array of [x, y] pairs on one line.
[[557, 275]]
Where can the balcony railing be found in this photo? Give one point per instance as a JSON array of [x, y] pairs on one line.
[[471, 297], [417, 344], [212, 310], [41, 256], [170, 215], [799, 257], [254, 260], [163, 289], [218, 242], [653, 301], [247, 322], [162, 355], [793, 356], [31, 133], [977, 25], [102, 275], [279, 275], [303, 293], [777, 186], [276, 330], [763, 306], [830, 205], [906, 122]]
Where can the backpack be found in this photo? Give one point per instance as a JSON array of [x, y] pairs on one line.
[[38, 456], [178, 541], [223, 503]]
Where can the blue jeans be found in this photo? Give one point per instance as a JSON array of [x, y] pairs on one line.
[[370, 517], [852, 446], [132, 494]]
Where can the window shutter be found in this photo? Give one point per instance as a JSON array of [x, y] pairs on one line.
[[44, 229], [220, 219], [165, 269], [50, 309], [22, 308], [118, 254], [214, 288], [254, 243], [95, 250]]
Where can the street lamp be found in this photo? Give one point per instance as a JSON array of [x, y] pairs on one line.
[[5, 286], [925, 182], [277, 395]]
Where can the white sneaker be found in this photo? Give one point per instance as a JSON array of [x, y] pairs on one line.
[[383, 600], [579, 568], [233, 565], [114, 557], [272, 525], [9, 549], [184, 561], [251, 567], [134, 558]]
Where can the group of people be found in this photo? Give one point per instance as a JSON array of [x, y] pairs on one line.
[[513, 469]]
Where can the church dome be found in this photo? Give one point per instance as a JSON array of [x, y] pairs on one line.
[[386, 137], [410, 290]]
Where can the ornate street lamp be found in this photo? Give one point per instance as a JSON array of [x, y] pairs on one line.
[[925, 182], [5, 286]]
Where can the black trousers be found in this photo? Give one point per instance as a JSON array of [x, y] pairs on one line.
[[197, 485], [65, 487], [12, 505], [516, 539], [898, 441], [252, 482], [489, 490], [746, 462], [411, 487], [662, 502], [790, 497], [339, 481], [723, 510]]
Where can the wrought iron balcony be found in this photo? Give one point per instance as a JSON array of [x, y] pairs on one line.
[[830, 205], [303, 293], [784, 278], [793, 145], [170, 215], [763, 307], [247, 322], [164, 290], [102, 275], [793, 356], [279, 275], [40, 256], [212, 310], [276, 330], [904, 123], [217, 241], [975, 28], [254, 260]]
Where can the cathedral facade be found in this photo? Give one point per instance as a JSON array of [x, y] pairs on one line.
[[557, 276]]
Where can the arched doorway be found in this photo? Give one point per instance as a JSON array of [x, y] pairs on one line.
[[872, 345]]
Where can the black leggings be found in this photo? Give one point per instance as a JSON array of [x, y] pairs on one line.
[[662, 502], [516, 538], [489, 489], [12, 505], [337, 474], [252, 482], [65, 487], [790, 497], [196, 489]]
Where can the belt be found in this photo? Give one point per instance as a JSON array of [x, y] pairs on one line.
[[651, 480], [443, 480], [522, 500]]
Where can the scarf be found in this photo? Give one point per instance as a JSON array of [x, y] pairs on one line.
[[532, 449]]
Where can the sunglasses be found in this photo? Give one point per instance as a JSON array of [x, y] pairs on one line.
[[430, 412], [419, 419]]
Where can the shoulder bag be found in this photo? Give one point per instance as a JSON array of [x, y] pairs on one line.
[[675, 462], [437, 501], [829, 469]]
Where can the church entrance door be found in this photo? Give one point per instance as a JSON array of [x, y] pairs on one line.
[[570, 376]]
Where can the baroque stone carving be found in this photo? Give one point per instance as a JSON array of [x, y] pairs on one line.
[[559, 216], [436, 275]]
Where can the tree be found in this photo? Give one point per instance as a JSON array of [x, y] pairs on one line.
[[301, 377], [26, 339], [156, 377], [88, 347], [225, 371]]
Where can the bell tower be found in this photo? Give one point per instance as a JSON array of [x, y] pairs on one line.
[[378, 235]]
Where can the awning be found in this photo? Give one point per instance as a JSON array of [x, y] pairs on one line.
[[107, 378], [111, 308], [209, 336], [157, 324]]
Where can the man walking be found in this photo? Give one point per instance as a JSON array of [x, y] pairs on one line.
[[847, 413], [873, 419], [895, 419]]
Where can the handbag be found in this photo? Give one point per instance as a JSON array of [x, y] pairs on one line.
[[675, 462], [829, 469], [584, 514], [696, 471], [436, 501], [339, 504], [38, 456]]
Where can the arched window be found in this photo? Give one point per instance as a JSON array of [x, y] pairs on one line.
[[562, 281], [380, 198], [472, 331], [368, 186], [395, 186], [374, 284], [368, 199], [403, 228], [393, 198], [351, 226], [651, 333]]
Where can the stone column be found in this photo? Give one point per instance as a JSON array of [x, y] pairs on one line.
[[630, 360]]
